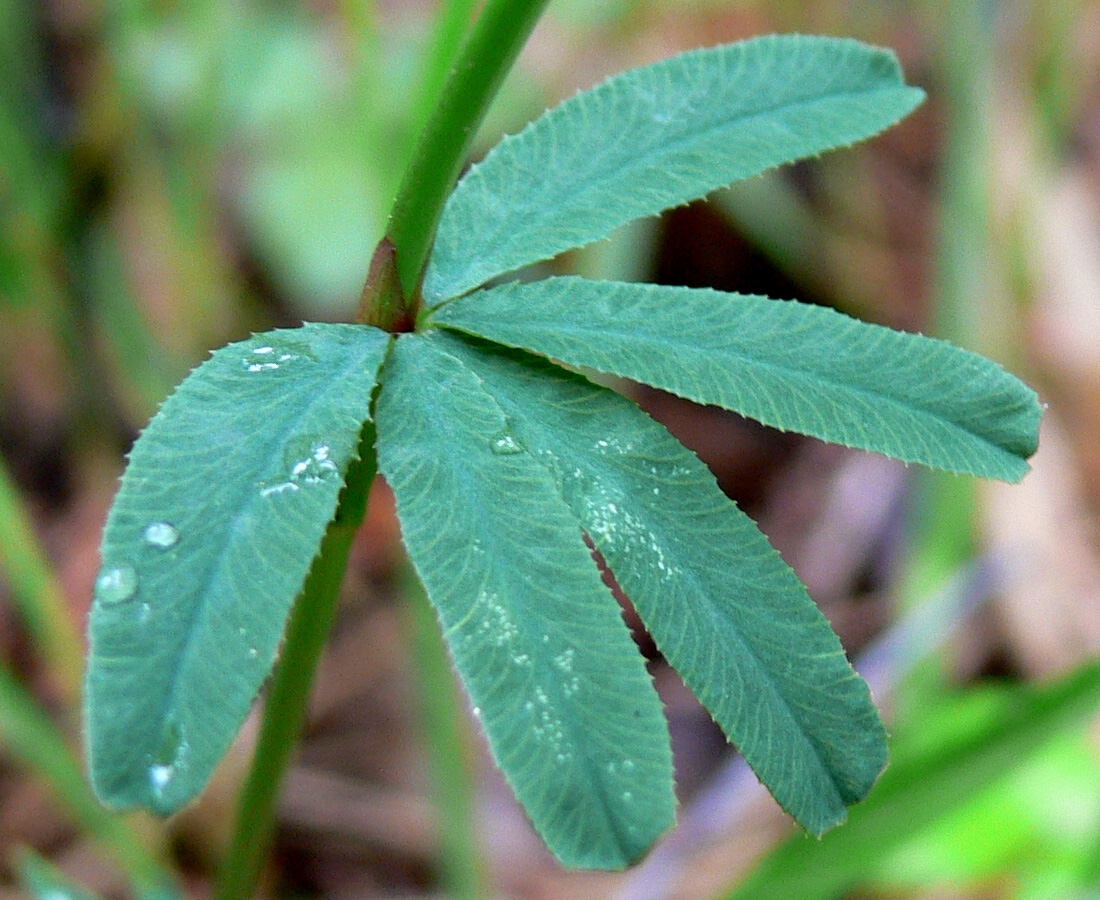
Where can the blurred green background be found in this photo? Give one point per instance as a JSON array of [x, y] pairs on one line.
[[175, 175]]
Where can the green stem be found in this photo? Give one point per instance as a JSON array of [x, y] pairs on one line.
[[463, 877], [285, 709], [451, 26], [485, 58]]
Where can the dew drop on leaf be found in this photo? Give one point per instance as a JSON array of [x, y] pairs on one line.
[[311, 464], [161, 535], [168, 762], [260, 359], [116, 584], [280, 487], [505, 444], [159, 777]]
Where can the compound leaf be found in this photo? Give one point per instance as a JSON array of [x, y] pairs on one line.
[[539, 641], [657, 137], [222, 508], [790, 365], [728, 614]]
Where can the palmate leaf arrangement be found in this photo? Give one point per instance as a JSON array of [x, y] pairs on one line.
[[501, 460]]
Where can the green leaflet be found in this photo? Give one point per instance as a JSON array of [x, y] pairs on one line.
[[657, 137], [539, 641], [225, 500], [937, 767], [790, 365], [726, 611]]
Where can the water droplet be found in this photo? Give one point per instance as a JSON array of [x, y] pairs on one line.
[[161, 535], [628, 765], [272, 356], [311, 464], [505, 444], [167, 763], [627, 796], [477, 712], [116, 584], [253, 652], [260, 359], [160, 777], [143, 612], [281, 487]]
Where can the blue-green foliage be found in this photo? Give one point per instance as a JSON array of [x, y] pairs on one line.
[[501, 462]]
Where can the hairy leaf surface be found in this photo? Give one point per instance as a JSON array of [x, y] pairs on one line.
[[657, 137], [786, 364], [539, 641], [225, 500], [725, 610]]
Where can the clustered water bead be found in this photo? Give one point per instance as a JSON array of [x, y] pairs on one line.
[[505, 444]]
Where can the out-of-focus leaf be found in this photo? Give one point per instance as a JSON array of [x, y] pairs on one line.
[[46, 882], [947, 764]]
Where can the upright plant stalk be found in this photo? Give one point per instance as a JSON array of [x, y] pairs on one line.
[[485, 59], [285, 708], [451, 28]]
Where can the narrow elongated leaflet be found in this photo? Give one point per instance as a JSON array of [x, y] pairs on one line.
[[539, 641], [658, 137], [786, 364], [221, 511], [728, 614]]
